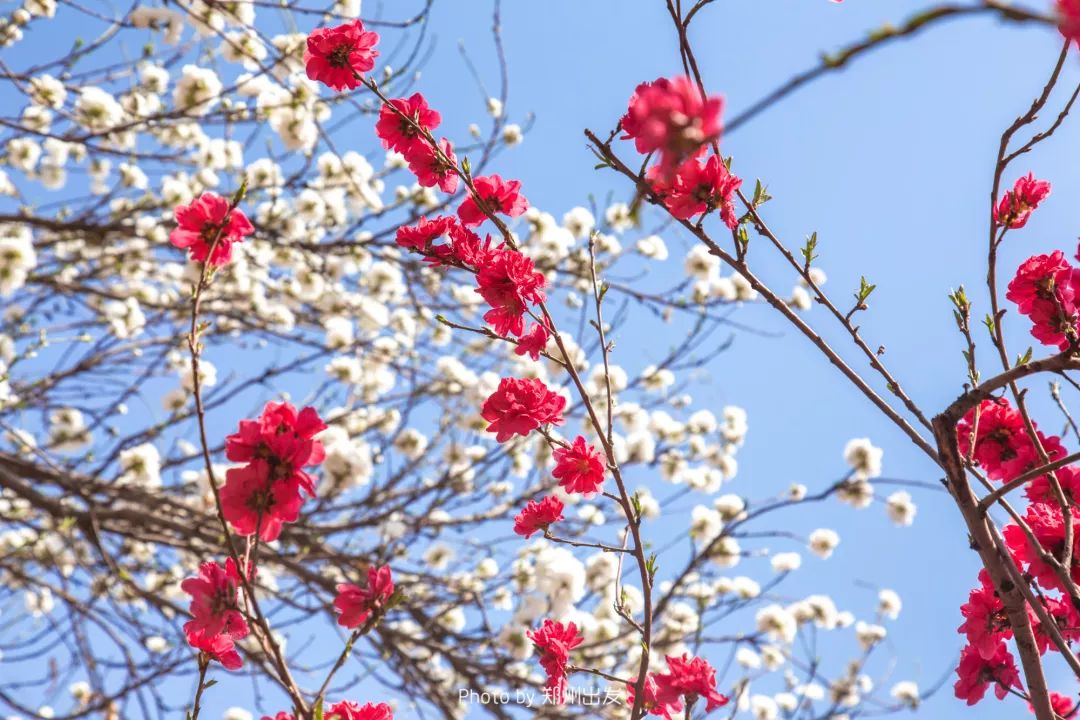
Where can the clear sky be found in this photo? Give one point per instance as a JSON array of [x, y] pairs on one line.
[[890, 161]]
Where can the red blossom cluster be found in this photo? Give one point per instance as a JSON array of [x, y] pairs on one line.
[[216, 619], [207, 228], [1017, 205], [687, 680], [492, 195], [554, 641], [978, 673], [355, 604], [1003, 448], [260, 497], [404, 126], [506, 279], [675, 119], [338, 56], [1046, 289], [519, 406], [699, 186], [579, 468], [538, 516], [346, 710]]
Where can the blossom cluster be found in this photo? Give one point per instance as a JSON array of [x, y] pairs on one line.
[[260, 497], [675, 119], [999, 440], [508, 282]]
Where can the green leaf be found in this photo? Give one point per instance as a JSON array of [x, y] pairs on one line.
[[865, 289], [808, 249], [959, 299], [318, 710], [761, 194], [743, 237]]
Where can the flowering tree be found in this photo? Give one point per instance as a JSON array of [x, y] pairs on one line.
[[271, 428]]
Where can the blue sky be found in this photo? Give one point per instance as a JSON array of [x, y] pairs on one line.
[[890, 161]]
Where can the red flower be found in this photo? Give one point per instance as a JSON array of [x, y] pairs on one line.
[[1062, 705], [651, 701], [690, 678], [467, 248], [1045, 289], [1064, 616], [420, 236], [977, 673], [337, 56], [280, 716], [554, 641], [432, 168], [518, 407], [672, 117], [1039, 489], [220, 647], [396, 133], [356, 604], [214, 592], [284, 439], [1035, 281], [985, 623], [579, 468], [538, 516], [216, 618], [206, 221], [701, 187], [509, 282], [533, 342], [1002, 446], [1017, 204], [252, 502], [1069, 19], [1048, 527], [346, 710], [497, 196]]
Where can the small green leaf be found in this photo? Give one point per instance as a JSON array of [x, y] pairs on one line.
[[761, 194], [808, 249], [865, 289], [238, 196], [743, 238]]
